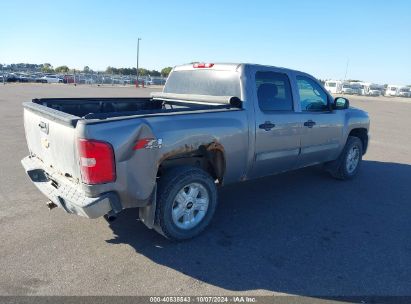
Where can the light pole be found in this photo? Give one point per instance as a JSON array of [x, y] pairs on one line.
[[138, 51]]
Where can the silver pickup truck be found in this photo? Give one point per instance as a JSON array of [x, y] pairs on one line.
[[212, 125]]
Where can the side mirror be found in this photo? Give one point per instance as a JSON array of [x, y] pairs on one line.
[[341, 103]]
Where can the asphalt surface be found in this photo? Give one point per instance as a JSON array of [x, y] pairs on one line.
[[299, 233]]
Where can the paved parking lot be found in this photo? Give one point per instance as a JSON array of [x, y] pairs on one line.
[[299, 233]]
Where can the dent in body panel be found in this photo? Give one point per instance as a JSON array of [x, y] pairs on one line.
[[226, 131]]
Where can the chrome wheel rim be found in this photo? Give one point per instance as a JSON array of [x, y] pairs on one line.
[[353, 159], [190, 206]]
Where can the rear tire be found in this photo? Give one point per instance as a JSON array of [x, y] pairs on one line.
[[186, 202], [348, 163]]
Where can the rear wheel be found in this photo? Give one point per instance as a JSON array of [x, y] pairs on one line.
[[186, 201], [348, 163]]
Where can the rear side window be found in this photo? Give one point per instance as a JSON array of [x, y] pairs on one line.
[[273, 91]]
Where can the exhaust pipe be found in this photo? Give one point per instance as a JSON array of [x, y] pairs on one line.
[[51, 205]]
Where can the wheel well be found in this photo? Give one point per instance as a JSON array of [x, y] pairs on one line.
[[362, 134], [210, 160]]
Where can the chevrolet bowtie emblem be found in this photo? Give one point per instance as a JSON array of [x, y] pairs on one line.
[[45, 143]]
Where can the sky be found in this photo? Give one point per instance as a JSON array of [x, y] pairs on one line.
[[317, 36]]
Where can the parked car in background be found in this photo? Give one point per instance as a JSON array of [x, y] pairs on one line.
[[41, 79], [393, 90], [229, 123], [356, 88], [23, 78], [156, 81], [68, 79], [404, 92], [333, 86], [375, 89], [11, 77], [51, 79], [346, 88], [371, 89]]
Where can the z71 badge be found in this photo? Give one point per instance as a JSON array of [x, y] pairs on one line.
[[148, 143]]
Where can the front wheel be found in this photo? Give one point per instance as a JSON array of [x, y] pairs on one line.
[[348, 163], [186, 201]]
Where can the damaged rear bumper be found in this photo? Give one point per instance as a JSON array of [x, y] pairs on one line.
[[67, 194]]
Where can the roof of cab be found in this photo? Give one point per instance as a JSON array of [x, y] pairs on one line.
[[225, 67]]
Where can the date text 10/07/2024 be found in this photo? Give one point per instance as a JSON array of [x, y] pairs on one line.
[[203, 299]]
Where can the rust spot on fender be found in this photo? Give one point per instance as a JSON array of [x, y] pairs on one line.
[[190, 148]]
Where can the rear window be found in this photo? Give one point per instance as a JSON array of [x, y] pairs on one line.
[[204, 82], [273, 91]]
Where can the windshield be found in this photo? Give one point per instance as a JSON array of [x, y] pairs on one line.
[[204, 82], [331, 84], [405, 89], [346, 86]]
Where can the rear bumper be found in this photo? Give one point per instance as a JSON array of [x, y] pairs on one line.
[[68, 195]]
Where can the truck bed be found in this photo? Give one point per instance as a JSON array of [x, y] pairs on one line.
[[103, 108], [51, 124]]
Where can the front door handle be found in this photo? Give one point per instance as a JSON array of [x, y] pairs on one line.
[[309, 123], [268, 125]]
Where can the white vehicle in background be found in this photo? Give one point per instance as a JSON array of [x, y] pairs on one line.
[[333, 86], [346, 88], [50, 79], [398, 90], [404, 92], [375, 89], [371, 89], [356, 88], [392, 90], [364, 86]]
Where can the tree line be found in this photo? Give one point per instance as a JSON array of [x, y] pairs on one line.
[[48, 68], [141, 71]]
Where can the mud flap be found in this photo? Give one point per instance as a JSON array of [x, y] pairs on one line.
[[147, 214]]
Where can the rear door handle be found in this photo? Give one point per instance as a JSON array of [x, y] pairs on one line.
[[309, 123], [268, 125]]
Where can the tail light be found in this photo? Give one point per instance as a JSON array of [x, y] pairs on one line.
[[203, 65], [96, 162]]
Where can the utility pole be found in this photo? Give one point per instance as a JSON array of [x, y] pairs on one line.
[[138, 51], [346, 69]]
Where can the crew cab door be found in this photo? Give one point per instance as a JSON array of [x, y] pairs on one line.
[[322, 128], [277, 135]]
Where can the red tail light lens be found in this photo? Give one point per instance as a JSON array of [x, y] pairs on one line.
[[203, 65], [96, 162]]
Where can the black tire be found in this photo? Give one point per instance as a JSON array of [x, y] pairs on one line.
[[338, 168], [168, 187]]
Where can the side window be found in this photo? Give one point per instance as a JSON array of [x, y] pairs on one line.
[[273, 91], [312, 96]]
